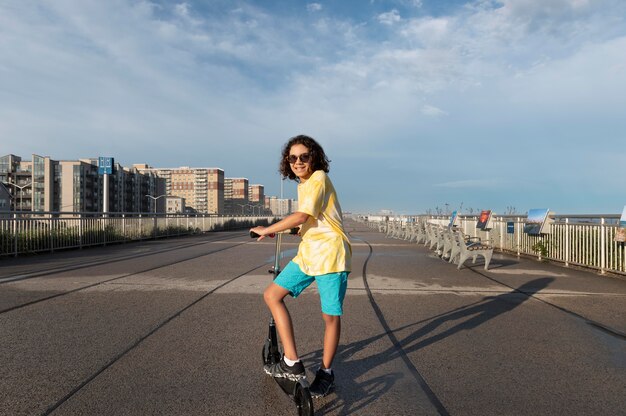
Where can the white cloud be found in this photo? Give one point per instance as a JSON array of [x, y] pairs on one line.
[[314, 7], [389, 18], [432, 111], [547, 9], [182, 9], [428, 31]]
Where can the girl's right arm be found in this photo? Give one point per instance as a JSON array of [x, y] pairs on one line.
[[291, 221]]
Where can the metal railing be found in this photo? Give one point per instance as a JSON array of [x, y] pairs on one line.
[[581, 240], [22, 233]]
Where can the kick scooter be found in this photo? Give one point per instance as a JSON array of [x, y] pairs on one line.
[[297, 390]]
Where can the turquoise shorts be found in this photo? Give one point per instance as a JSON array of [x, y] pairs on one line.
[[332, 286]]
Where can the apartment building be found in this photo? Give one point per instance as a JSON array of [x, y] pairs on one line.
[[5, 199], [81, 188], [46, 185], [236, 196], [201, 188], [257, 194], [280, 207], [33, 183], [257, 199]]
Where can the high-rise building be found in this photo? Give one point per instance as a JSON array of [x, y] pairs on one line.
[[9, 171], [46, 185], [257, 199], [280, 207], [33, 183], [81, 187], [202, 188], [5, 199], [236, 196], [257, 194]]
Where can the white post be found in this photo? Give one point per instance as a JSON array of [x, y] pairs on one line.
[[602, 246], [105, 193], [566, 242], [15, 232], [519, 231], [80, 229]]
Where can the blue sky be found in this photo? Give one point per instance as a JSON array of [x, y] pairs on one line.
[[418, 103]]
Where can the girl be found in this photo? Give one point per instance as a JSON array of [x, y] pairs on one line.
[[324, 256]]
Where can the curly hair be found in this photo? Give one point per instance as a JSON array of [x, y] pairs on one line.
[[319, 161]]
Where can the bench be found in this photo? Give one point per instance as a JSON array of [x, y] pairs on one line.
[[465, 247]]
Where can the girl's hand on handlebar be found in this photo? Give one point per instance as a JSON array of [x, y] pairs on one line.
[[258, 231]]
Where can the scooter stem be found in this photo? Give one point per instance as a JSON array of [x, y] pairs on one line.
[[277, 254]]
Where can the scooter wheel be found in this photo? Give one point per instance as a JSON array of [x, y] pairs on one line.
[[304, 402]]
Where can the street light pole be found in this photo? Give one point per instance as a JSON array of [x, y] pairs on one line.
[[154, 198], [252, 206], [155, 224], [21, 193], [15, 210]]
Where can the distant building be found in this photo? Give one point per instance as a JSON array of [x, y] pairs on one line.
[[5, 199], [83, 190], [257, 199], [174, 205], [201, 188], [257, 194], [281, 207], [46, 185], [236, 196]]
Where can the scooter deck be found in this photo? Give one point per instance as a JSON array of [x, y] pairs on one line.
[[298, 391], [289, 386]]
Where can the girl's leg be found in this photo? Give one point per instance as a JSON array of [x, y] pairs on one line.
[[331, 338], [274, 297]]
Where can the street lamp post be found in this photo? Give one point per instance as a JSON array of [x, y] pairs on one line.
[[155, 225], [155, 200], [21, 188], [255, 206], [21, 193]]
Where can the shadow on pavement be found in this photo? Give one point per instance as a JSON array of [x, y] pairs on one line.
[[352, 396]]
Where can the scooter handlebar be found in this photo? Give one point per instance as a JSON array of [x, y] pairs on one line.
[[255, 235], [292, 231]]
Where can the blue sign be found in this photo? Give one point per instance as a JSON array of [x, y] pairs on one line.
[[105, 165], [510, 227], [452, 219]]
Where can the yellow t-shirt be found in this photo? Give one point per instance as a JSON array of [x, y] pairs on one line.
[[325, 247]]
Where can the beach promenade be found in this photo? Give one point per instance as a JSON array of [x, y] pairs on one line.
[[175, 327]]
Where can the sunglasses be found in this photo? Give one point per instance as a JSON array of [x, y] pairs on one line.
[[304, 158]]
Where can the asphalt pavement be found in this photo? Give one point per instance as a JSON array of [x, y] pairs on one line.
[[176, 326]]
